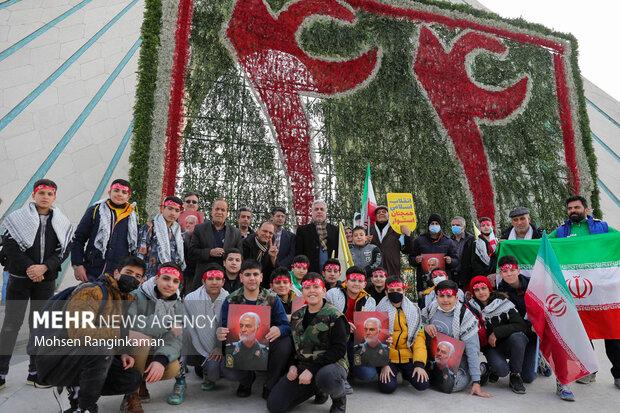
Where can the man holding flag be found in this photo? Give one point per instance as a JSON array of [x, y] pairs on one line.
[[552, 312], [580, 224]]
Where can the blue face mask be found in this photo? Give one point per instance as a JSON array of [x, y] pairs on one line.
[[434, 229], [456, 230]]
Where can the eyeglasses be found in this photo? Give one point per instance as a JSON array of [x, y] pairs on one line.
[[190, 201]]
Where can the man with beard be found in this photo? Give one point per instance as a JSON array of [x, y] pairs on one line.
[[445, 350], [247, 353], [259, 246], [579, 224], [522, 226], [480, 258], [388, 241], [371, 352], [318, 240]]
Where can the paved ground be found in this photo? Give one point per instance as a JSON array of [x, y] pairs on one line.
[[601, 396]]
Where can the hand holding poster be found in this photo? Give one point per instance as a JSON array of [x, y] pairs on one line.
[[447, 351], [402, 211], [247, 348], [432, 261], [371, 333]]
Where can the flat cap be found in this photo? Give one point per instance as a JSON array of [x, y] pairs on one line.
[[517, 212]]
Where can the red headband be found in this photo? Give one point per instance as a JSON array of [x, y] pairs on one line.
[[480, 279], [170, 271], [281, 278], [356, 276], [43, 186], [379, 272], [121, 187], [170, 202], [303, 265], [486, 220], [397, 284], [508, 267], [437, 273], [212, 274], [314, 281], [479, 285], [335, 267], [447, 291]]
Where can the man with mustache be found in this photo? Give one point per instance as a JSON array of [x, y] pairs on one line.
[[248, 353], [371, 352]]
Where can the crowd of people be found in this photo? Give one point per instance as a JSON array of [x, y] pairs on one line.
[[181, 262]]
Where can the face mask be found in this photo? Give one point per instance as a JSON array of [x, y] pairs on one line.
[[395, 297], [434, 229], [439, 279], [446, 311], [456, 230], [127, 283]]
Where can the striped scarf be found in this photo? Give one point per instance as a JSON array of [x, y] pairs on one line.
[[321, 230], [163, 240], [105, 228]]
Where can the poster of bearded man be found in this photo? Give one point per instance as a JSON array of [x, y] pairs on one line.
[[447, 351], [247, 348], [371, 347]]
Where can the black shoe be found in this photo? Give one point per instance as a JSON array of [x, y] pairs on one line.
[[484, 373], [339, 405], [320, 398], [516, 383], [266, 392], [244, 390], [493, 378], [2, 383], [73, 400]]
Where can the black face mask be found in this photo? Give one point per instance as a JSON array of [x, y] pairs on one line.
[[127, 283], [395, 297]]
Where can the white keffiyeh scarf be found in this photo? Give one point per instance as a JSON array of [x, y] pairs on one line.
[[23, 225], [461, 330], [513, 233], [495, 308], [412, 315], [163, 244], [105, 228]]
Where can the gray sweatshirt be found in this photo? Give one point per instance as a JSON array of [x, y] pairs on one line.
[[367, 257]]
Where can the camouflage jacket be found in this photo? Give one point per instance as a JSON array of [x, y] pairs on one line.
[[314, 340], [265, 297]]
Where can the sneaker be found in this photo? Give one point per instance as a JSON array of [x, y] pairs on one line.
[[178, 392], [564, 392], [143, 392], [244, 390], [73, 399], [132, 404], [543, 367], [616, 383], [484, 373], [516, 383], [590, 378], [493, 378], [320, 398], [33, 380], [207, 385], [348, 390], [2, 383], [266, 392], [339, 405]]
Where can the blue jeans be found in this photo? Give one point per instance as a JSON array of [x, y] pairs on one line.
[[406, 369], [5, 283], [512, 348]]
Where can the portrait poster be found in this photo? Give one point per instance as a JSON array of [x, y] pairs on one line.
[[247, 348], [370, 338], [183, 216], [447, 351], [432, 261]]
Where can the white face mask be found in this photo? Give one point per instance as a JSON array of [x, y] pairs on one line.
[[439, 279], [440, 308]]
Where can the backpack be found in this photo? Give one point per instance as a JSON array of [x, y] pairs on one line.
[[482, 329]]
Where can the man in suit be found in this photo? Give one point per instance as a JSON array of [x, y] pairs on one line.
[[283, 239], [317, 240], [388, 241], [259, 246], [212, 238]]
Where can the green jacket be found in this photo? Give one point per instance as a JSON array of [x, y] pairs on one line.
[[152, 310], [265, 297], [314, 340]]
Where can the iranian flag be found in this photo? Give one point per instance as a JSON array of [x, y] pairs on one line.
[[369, 202], [551, 309], [590, 266]]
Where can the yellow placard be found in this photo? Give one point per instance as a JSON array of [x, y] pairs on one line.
[[402, 211]]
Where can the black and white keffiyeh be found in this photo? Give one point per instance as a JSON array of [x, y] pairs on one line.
[[164, 253], [412, 315], [105, 227], [463, 330], [23, 225]]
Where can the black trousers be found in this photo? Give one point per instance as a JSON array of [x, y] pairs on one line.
[[612, 348], [95, 375], [19, 292]]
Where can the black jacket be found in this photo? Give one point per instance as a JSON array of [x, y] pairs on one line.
[[472, 265], [424, 244], [517, 295], [506, 323], [251, 251], [390, 250], [536, 232], [203, 241], [286, 249], [18, 261], [307, 243]]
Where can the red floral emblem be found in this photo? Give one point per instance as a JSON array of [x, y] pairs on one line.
[[556, 305], [580, 287]]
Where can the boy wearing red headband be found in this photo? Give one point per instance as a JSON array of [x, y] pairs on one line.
[[281, 285], [349, 298], [161, 240], [319, 368], [506, 332], [299, 268], [36, 243], [428, 296], [107, 233], [408, 347], [157, 301], [480, 257], [205, 352], [376, 287], [331, 273]]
